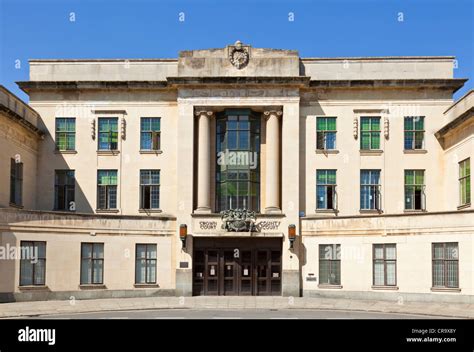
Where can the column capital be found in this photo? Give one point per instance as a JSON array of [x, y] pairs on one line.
[[272, 112], [203, 111]]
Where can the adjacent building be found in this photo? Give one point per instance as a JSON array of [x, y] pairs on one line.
[[238, 171]]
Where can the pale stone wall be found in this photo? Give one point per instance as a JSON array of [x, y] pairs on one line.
[[15, 141], [128, 161], [64, 233], [378, 67], [392, 161], [413, 236], [103, 70]]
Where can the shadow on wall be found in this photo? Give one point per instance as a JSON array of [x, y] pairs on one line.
[[49, 165], [7, 267]]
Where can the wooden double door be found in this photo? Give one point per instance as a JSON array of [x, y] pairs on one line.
[[237, 267]]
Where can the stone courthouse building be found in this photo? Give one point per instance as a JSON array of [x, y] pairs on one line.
[[238, 171]]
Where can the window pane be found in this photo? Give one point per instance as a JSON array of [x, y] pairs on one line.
[[419, 123], [391, 273], [419, 137], [409, 140], [321, 124], [408, 123], [375, 123], [438, 251], [86, 267], [141, 251], [145, 141], [331, 177], [321, 197], [39, 272], [140, 271], [438, 273], [409, 177], [331, 123], [452, 251], [98, 251], [86, 250], [330, 140], [452, 274], [365, 140], [375, 142], [378, 251], [98, 271], [390, 251], [151, 271], [26, 272], [365, 124], [379, 278]]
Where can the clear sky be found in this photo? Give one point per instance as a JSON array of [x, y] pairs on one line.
[[152, 29]]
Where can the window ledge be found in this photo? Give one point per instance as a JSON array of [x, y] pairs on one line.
[[370, 211], [57, 151], [146, 211], [327, 211], [464, 206], [330, 286], [415, 151], [327, 151], [145, 285], [415, 211], [107, 211], [150, 151], [391, 288], [445, 289], [108, 152], [33, 288], [92, 286], [370, 152], [13, 205]]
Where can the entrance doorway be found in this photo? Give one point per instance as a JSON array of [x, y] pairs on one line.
[[231, 267]]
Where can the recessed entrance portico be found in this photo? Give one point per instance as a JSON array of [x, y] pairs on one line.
[[237, 266]]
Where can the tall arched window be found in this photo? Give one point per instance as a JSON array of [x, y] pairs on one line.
[[238, 160]]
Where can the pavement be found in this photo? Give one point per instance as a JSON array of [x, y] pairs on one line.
[[68, 307]]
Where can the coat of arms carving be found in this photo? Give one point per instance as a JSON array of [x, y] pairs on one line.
[[239, 55]]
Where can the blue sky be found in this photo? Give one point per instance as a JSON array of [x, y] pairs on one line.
[[151, 29]]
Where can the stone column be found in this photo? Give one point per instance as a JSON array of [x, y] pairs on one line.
[[204, 161], [272, 177]]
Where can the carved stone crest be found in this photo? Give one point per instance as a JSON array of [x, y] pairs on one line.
[[238, 220], [239, 55]]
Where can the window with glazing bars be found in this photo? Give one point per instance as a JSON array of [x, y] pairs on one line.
[[65, 133], [385, 264], [415, 190], [370, 195], [16, 182], [149, 189], [330, 264], [107, 189], [370, 133], [414, 132], [145, 264], [64, 189], [445, 265], [326, 133], [92, 263], [150, 133], [33, 263], [465, 182], [108, 133], [326, 189]]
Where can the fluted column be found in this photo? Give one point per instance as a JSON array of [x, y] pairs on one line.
[[272, 151], [204, 162]]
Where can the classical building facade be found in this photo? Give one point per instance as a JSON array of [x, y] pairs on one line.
[[238, 171]]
